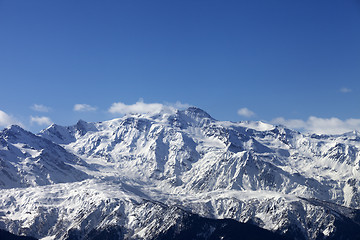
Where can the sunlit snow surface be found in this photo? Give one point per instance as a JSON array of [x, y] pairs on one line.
[[125, 171]]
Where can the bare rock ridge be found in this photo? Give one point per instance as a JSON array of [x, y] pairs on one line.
[[178, 174]]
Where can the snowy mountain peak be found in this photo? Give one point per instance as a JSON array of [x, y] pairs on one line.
[[196, 113], [58, 134], [191, 116], [15, 132], [130, 172], [14, 128], [83, 127]]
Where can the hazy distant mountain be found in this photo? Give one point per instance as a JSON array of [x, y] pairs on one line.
[[175, 175]]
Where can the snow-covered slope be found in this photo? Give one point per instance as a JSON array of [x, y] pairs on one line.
[[29, 160], [295, 184]]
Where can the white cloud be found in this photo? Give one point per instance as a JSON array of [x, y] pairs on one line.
[[138, 107], [142, 107], [321, 125], [290, 123], [40, 120], [84, 108], [345, 90], [7, 120], [179, 105], [40, 108], [245, 112]]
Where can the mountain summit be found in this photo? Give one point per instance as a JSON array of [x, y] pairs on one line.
[[153, 176]]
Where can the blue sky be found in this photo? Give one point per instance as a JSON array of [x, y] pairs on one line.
[[290, 62]]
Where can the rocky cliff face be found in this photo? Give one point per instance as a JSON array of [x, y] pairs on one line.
[[148, 176]]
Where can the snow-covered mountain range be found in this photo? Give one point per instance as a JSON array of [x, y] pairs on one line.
[[156, 176]]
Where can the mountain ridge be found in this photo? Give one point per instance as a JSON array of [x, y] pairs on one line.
[[245, 171]]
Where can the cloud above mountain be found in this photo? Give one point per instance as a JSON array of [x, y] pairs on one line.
[[321, 125], [40, 108], [142, 107], [84, 108], [6, 119], [245, 112], [40, 120]]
